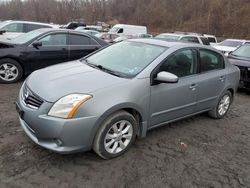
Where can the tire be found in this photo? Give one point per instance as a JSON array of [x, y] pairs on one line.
[[10, 71], [216, 113], [118, 119]]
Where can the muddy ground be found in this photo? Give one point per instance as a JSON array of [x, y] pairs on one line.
[[196, 152]]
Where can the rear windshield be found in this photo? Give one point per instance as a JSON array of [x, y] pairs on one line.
[[231, 43], [242, 51], [170, 37]]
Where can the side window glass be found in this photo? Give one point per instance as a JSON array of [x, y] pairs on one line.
[[15, 27], [211, 39], [31, 27], [54, 40], [120, 30], [79, 40], [210, 60], [205, 40], [181, 64], [190, 39], [93, 42]]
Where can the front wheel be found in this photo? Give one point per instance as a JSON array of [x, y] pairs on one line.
[[222, 107], [116, 135], [10, 71]]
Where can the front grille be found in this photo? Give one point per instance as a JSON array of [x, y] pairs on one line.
[[244, 73], [31, 99]]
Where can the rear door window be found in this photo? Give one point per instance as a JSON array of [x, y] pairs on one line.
[[79, 40], [210, 60], [190, 39], [31, 27]]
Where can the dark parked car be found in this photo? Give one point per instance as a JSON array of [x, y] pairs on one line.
[[41, 48], [241, 58]]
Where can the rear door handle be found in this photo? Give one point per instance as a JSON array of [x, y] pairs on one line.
[[193, 87]]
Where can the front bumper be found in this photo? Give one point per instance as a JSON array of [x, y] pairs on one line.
[[56, 134], [244, 77]]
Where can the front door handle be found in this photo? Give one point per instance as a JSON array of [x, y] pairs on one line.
[[222, 78], [193, 87]]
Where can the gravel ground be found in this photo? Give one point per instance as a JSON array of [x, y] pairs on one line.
[[196, 152]]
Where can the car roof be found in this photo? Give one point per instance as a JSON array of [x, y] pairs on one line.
[[181, 35], [246, 44], [166, 43], [28, 22], [238, 40]]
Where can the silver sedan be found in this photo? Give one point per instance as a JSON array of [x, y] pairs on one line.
[[107, 99]]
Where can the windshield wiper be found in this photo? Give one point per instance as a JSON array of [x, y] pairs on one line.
[[100, 67], [109, 71]]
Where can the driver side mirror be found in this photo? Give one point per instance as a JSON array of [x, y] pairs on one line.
[[166, 77], [37, 44], [2, 32]]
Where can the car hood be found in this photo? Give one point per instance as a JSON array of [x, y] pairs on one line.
[[239, 61], [224, 48], [56, 81], [9, 35], [4, 44]]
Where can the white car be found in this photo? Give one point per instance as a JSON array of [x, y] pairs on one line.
[[212, 39], [10, 29], [229, 45], [194, 38]]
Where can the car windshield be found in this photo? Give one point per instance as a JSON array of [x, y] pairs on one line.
[[125, 59], [231, 43], [114, 29], [2, 24], [24, 38], [170, 37], [99, 35], [242, 51]]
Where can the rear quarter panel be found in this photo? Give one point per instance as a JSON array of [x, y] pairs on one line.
[[233, 76]]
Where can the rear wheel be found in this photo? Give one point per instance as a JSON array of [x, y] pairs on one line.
[[222, 107], [115, 135], [10, 71]]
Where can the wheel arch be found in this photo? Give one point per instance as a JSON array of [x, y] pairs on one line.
[[132, 109]]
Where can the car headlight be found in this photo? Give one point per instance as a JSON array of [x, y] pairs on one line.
[[67, 106]]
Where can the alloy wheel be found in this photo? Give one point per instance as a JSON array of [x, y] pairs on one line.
[[8, 72], [118, 137], [224, 105]]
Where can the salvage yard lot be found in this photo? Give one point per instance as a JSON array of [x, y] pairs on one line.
[[196, 152]]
